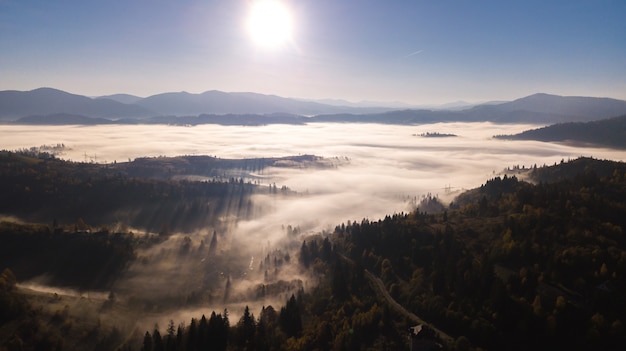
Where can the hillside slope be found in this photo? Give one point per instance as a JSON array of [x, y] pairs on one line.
[[607, 132]]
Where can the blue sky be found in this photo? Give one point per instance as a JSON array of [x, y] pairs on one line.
[[418, 52]]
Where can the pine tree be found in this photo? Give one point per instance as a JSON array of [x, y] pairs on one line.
[[213, 244], [246, 330], [305, 255], [147, 342], [192, 335], [157, 341], [290, 319], [227, 289]]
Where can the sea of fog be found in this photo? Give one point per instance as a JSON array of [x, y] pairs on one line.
[[381, 169], [386, 164]]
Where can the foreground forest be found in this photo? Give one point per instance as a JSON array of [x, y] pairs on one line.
[[513, 265]]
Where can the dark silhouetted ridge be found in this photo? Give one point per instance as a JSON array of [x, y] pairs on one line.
[[608, 132]]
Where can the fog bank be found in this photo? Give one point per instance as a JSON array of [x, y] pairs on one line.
[[386, 163], [380, 170]]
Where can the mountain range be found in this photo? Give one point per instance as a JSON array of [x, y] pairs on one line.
[[48, 106], [48, 101]]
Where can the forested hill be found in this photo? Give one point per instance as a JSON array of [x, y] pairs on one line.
[[608, 132], [580, 167], [515, 266], [147, 193]]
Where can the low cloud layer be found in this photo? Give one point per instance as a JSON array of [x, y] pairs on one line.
[[386, 163], [380, 169]]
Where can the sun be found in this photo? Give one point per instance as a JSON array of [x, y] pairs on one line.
[[270, 23]]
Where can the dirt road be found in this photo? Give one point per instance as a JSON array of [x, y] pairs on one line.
[[383, 294]]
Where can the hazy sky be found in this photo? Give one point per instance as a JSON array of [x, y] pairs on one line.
[[412, 51]]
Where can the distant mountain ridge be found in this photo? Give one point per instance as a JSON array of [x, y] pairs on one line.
[[219, 102], [607, 132], [214, 106], [571, 108], [45, 101], [123, 98], [62, 119], [537, 108], [48, 101]]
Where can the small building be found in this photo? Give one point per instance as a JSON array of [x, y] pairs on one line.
[[423, 338]]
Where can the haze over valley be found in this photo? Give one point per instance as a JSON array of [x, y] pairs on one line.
[[297, 182], [306, 175], [369, 161]]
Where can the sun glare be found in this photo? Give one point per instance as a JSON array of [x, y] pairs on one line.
[[269, 23]]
